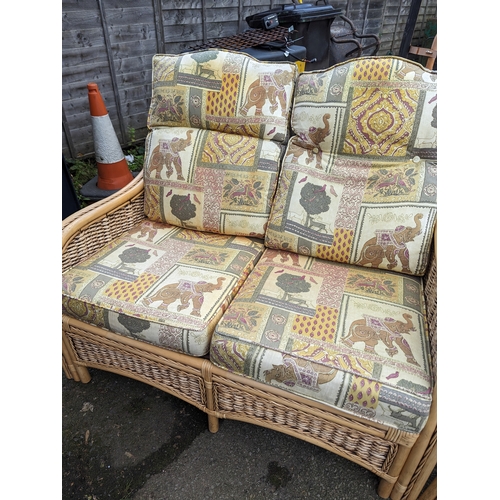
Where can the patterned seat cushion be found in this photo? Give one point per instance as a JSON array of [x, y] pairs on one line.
[[358, 183], [350, 337], [161, 284]]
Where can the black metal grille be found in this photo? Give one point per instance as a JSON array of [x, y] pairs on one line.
[[249, 38]]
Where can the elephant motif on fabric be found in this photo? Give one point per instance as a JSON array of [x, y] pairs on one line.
[[186, 291], [390, 244], [371, 330], [301, 372], [149, 230], [268, 87], [167, 153], [311, 143]]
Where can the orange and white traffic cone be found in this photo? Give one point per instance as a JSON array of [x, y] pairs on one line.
[[112, 167]]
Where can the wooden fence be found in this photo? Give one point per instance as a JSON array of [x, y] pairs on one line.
[[112, 42]]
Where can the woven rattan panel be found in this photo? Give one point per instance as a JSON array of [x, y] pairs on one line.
[[171, 378], [373, 453], [421, 465], [89, 240], [430, 281], [250, 38]]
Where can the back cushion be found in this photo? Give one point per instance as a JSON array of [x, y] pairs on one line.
[[224, 91], [217, 119], [210, 181], [369, 107], [358, 183]]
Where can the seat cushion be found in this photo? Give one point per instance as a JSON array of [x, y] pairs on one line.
[[161, 284], [350, 337], [210, 181]]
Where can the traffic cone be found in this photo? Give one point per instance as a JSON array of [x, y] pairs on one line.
[[112, 167]]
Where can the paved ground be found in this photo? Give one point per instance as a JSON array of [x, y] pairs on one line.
[[123, 439]]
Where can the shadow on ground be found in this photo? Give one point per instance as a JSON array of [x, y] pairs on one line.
[[123, 439]]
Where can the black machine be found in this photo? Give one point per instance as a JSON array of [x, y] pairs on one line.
[[311, 28]]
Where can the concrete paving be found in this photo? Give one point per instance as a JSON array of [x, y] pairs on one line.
[[123, 439]]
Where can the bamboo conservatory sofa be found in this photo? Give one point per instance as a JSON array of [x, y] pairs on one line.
[[275, 261]]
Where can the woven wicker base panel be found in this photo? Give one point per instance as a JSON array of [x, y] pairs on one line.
[[174, 373], [359, 443]]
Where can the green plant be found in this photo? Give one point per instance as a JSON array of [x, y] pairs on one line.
[[82, 170], [136, 150]]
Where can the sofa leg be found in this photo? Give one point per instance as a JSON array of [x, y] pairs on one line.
[[206, 371], [66, 369], [213, 424], [83, 374], [71, 369], [76, 373], [384, 488]]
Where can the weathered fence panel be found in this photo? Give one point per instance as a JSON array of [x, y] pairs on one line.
[[112, 42]]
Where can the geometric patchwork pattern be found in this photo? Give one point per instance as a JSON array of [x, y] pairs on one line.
[[364, 392], [224, 91], [371, 107], [130, 292], [372, 71], [350, 337], [210, 181], [358, 182], [217, 119], [380, 121], [388, 204], [322, 326], [223, 103], [162, 284]]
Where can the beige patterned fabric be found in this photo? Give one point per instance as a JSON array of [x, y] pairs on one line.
[[217, 120], [350, 337], [162, 284], [210, 181], [358, 183], [224, 91]]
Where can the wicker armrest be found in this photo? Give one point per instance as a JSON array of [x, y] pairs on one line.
[[430, 294], [89, 229]]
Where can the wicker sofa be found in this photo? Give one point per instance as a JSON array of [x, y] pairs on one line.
[[288, 282]]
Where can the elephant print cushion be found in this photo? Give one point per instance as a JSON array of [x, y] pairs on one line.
[[363, 212], [222, 91], [210, 181], [370, 107], [161, 284], [350, 337], [359, 180]]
